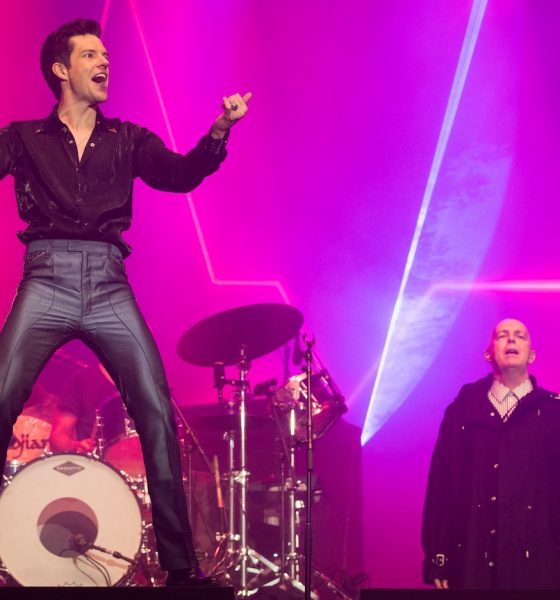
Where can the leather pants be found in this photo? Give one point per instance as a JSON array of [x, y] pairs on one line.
[[74, 289]]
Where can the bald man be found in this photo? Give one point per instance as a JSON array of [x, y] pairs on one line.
[[492, 509]]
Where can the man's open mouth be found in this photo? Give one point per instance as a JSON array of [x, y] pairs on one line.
[[100, 78], [512, 351]]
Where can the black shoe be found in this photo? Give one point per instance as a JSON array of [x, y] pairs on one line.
[[191, 577]]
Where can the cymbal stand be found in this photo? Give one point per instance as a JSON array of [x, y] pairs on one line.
[[240, 476], [254, 570]]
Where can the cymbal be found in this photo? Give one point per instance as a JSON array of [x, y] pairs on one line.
[[259, 328], [226, 422]]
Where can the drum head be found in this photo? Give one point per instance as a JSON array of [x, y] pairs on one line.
[[55, 498]]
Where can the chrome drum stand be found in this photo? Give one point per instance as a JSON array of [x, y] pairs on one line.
[[235, 562], [235, 337]]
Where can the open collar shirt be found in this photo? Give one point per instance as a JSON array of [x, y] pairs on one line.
[[61, 197]]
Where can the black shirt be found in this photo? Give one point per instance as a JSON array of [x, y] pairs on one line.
[[63, 198]]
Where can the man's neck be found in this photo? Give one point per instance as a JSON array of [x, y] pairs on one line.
[[512, 379], [77, 116]]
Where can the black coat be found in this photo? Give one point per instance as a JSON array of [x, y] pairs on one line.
[[492, 508]]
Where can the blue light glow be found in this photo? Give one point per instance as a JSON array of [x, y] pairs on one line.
[[416, 315]]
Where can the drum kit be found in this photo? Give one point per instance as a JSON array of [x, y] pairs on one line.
[[69, 499]]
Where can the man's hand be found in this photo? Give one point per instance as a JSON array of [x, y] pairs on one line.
[[441, 584], [235, 108], [84, 446]]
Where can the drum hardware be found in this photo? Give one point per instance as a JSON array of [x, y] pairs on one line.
[[149, 572], [10, 469], [234, 421], [81, 544], [186, 456], [235, 337], [145, 499], [306, 400], [184, 430], [262, 573], [291, 558], [99, 434], [140, 487], [289, 485], [238, 549], [219, 496], [129, 429], [327, 401], [266, 388]]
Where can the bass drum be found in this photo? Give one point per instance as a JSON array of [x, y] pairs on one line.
[[57, 499]]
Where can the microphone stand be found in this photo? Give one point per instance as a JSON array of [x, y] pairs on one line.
[[81, 544], [114, 553]]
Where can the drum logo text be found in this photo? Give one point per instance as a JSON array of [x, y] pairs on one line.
[[26, 443], [68, 468]]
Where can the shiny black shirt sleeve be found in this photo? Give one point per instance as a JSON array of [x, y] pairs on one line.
[[169, 171], [10, 148]]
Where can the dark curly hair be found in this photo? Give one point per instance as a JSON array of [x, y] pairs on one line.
[[57, 48]]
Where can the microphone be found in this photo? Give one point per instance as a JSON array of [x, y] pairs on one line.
[[80, 543]]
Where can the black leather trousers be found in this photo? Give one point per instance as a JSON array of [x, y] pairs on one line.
[[79, 289]]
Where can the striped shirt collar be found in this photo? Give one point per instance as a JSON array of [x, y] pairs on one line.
[[499, 391], [504, 399]]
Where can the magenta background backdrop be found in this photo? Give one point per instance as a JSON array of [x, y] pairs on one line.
[[320, 194]]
